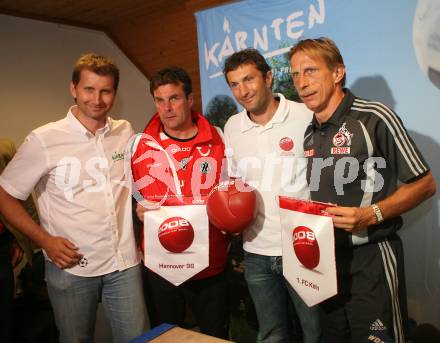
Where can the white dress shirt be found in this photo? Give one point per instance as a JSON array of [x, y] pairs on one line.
[[82, 190], [269, 158]]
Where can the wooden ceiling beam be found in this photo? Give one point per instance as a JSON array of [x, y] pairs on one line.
[[152, 33]]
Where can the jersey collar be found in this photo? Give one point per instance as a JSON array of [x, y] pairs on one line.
[[204, 134], [76, 125], [279, 117], [338, 117]]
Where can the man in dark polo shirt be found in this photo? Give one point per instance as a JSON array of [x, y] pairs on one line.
[[356, 152]]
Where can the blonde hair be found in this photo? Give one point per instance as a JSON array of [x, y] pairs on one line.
[[98, 64], [320, 48]]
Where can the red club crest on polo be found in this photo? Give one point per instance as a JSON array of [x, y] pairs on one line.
[[339, 139], [286, 143], [176, 234], [306, 246]]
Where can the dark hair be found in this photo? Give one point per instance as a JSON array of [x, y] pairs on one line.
[[322, 48], [98, 64], [246, 56], [169, 75]]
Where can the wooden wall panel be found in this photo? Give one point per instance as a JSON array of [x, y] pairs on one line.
[[170, 39], [152, 33]]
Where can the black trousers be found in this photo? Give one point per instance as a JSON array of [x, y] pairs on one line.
[[6, 289], [207, 299], [371, 300]]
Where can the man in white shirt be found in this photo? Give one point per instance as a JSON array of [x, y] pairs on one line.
[[76, 166], [264, 144]]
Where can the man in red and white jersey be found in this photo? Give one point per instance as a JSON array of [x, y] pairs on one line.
[[180, 155]]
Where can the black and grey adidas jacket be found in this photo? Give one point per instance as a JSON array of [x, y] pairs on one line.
[[357, 157]]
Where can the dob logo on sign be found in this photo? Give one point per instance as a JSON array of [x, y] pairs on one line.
[[176, 234], [306, 246], [310, 267]]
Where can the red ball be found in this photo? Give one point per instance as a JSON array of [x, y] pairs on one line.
[[232, 206], [176, 234], [306, 246]]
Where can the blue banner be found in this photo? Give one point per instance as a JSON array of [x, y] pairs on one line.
[[269, 26]]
